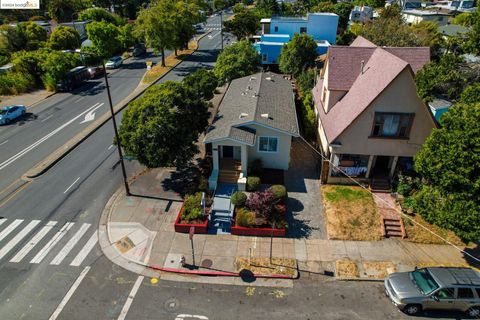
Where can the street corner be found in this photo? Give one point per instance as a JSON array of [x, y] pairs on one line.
[[132, 240]]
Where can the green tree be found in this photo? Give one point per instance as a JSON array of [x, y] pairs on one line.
[[369, 3], [34, 35], [449, 163], [105, 39], [100, 14], [156, 26], [126, 36], [298, 54], [243, 24], [11, 40], [472, 41], [161, 127], [268, 7], [62, 10], [55, 66], [184, 14], [220, 4], [202, 82], [463, 19], [64, 38], [471, 94], [236, 61]]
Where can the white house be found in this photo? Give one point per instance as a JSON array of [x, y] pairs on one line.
[[256, 120]]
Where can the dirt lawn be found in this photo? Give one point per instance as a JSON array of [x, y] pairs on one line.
[[350, 213], [416, 233]]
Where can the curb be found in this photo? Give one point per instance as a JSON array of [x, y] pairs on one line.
[[65, 149]]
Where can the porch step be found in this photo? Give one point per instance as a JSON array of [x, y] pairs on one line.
[[228, 176], [380, 185], [393, 228]]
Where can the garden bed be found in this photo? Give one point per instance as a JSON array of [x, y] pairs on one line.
[[201, 227], [258, 232], [350, 213]]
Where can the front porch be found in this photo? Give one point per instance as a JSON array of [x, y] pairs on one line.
[[229, 166]]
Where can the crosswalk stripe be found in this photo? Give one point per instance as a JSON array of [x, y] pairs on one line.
[[10, 228], [33, 242], [129, 301], [85, 250], [22, 234], [56, 238], [70, 244], [2, 221]]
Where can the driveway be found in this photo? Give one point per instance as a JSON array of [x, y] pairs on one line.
[[305, 210]]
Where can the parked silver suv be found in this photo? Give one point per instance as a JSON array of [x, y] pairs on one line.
[[435, 288]]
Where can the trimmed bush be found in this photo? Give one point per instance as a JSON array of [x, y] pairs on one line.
[[279, 191], [245, 218], [239, 198], [15, 83], [253, 183], [192, 209]]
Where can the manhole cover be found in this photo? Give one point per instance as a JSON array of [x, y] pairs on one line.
[[207, 263], [172, 304]]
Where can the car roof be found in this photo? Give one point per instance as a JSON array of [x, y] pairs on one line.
[[455, 276], [115, 58], [10, 107]]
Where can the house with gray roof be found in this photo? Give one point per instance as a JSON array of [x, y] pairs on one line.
[[256, 120], [371, 119]]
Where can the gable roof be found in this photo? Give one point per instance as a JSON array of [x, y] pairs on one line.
[[345, 61], [262, 98], [380, 70]]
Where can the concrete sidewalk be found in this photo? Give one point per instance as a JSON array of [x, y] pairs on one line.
[[139, 232], [28, 99]]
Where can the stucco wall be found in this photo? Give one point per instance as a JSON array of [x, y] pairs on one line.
[[277, 160], [399, 96], [320, 27]]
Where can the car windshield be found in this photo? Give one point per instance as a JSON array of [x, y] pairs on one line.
[[424, 280], [3, 111]]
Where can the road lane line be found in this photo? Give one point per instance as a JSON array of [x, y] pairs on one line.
[[129, 301], [1, 144], [47, 118], [111, 146], [71, 185], [9, 161], [2, 221], [10, 228], [22, 234], [85, 250], [78, 100], [33, 242], [49, 246], [70, 293], [70, 244]]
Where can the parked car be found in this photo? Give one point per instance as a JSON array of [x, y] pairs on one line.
[[73, 78], [114, 62], [96, 71], [139, 49], [10, 113], [435, 288]]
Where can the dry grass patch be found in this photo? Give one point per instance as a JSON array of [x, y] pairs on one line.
[[416, 233], [350, 213], [379, 269], [450, 265], [278, 266], [171, 62], [346, 269]]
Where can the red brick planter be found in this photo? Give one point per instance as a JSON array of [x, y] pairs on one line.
[[200, 228], [258, 232]]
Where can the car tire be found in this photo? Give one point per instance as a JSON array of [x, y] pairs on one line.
[[412, 309], [473, 312]]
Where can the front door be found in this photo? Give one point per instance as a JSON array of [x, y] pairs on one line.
[[381, 168], [227, 152], [445, 299]]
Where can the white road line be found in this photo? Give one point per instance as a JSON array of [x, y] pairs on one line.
[[10, 228], [111, 146], [47, 118], [9, 161], [211, 37], [69, 294], [70, 244], [1, 144], [22, 234], [81, 98], [85, 250], [33, 242], [129, 301], [2, 221], [55, 239], [71, 185]]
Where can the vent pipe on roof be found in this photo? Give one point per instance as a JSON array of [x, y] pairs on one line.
[[362, 64]]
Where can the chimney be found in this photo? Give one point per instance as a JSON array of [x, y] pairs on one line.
[[362, 64]]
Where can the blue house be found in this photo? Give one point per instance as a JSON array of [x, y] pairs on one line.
[[277, 31]]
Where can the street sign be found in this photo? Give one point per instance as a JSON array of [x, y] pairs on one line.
[[191, 233]]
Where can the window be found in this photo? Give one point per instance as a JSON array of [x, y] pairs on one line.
[[303, 29], [276, 29], [465, 293], [268, 144], [393, 125], [424, 281], [445, 293]]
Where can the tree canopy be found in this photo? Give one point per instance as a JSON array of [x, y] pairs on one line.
[[298, 55], [244, 24], [64, 38], [449, 163], [161, 127], [34, 35], [100, 14], [236, 61], [202, 82], [62, 10], [104, 37]]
